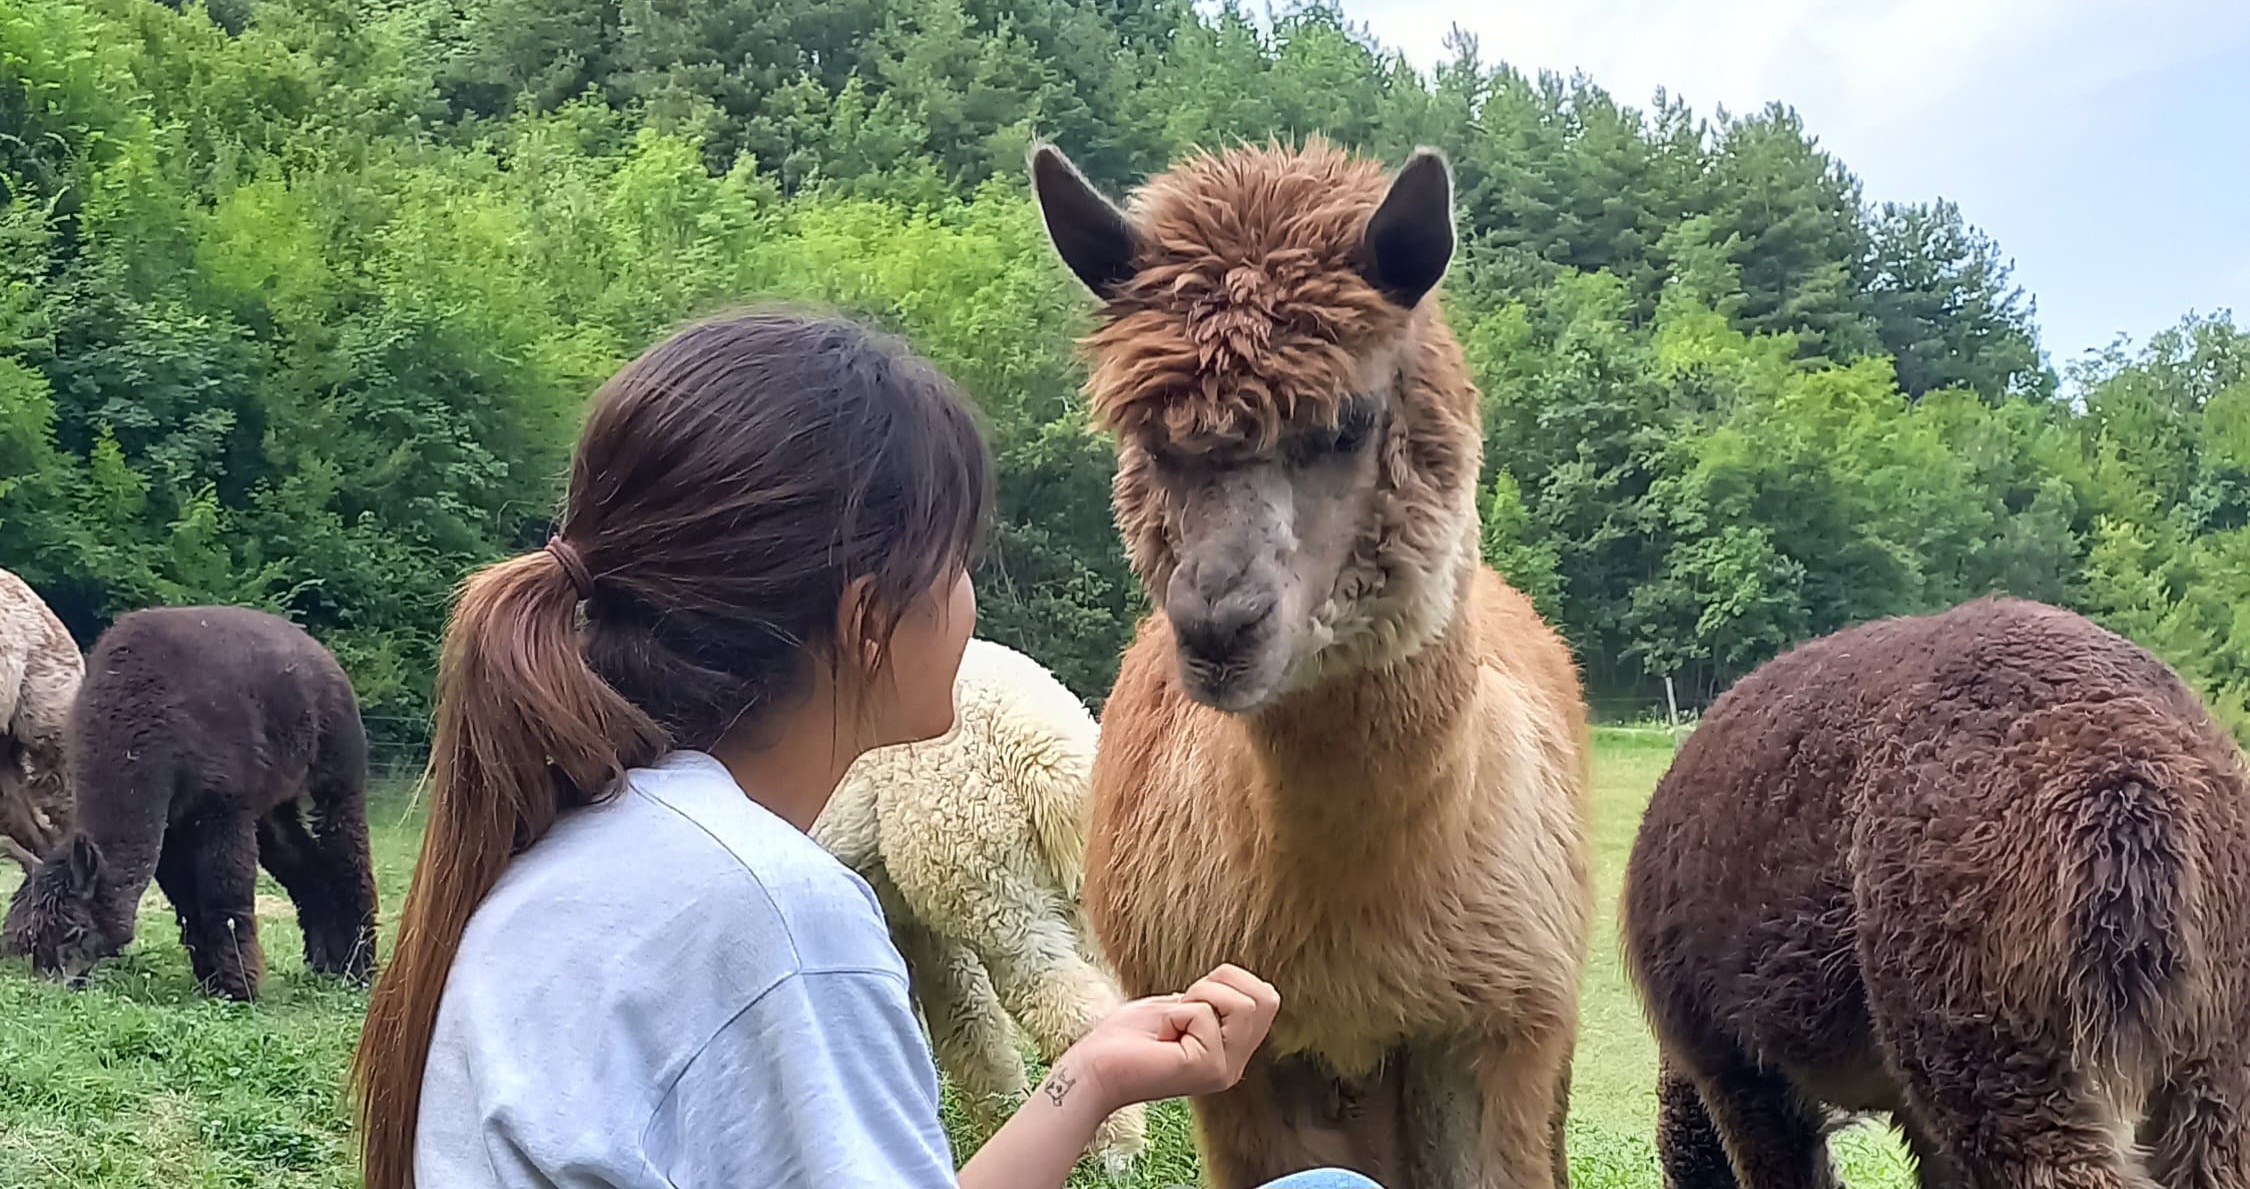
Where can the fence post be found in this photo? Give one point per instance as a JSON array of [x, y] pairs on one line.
[[1672, 705]]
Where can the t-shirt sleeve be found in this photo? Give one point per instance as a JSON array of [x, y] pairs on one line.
[[824, 1082]]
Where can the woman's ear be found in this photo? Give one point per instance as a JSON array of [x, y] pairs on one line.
[[853, 643]]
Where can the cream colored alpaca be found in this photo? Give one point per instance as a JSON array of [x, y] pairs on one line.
[[976, 845], [1342, 753], [40, 668]]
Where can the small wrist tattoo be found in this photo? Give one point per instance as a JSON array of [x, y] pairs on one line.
[[1060, 1082]]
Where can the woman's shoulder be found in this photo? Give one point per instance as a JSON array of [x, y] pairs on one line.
[[742, 858]]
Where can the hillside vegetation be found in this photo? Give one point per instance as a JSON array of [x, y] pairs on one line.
[[300, 301]]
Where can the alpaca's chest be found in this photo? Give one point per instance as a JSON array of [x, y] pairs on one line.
[[1371, 939]]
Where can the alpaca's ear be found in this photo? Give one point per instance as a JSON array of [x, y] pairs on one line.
[[1089, 232], [24, 858], [85, 863], [1409, 238]]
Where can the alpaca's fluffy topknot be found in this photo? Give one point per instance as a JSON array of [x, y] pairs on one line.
[[1249, 312]]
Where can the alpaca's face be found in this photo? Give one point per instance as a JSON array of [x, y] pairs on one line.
[[56, 918], [1250, 548], [1295, 460]]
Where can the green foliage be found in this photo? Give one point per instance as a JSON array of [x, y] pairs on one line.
[[300, 301], [1945, 309], [1512, 546]]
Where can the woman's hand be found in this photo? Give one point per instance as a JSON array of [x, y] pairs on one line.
[[1170, 1046], [1195, 1042]]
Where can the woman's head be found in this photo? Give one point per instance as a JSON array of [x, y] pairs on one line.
[[763, 506], [758, 496]]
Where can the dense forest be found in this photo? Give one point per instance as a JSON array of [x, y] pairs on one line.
[[300, 301]]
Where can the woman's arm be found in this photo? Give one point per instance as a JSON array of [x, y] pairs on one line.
[[1196, 1042], [1037, 1148]]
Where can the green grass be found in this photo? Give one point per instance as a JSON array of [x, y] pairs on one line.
[[140, 1081]]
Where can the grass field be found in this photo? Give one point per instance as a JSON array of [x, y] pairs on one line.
[[139, 1081]]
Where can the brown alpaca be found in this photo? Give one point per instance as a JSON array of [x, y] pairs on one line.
[[39, 673], [198, 744], [1985, 871], [1342, 753]]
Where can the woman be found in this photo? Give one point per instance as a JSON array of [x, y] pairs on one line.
[[621, 961]]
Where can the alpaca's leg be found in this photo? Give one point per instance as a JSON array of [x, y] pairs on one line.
[[336, 794], [1042, 978], [43, 728], [1559, 1125], [1994, 1087], [19, 818], [1435, 1136], [2058, 1144], [1934, 1168], [175, 876], [1518, 1079], [2004, 1102], [218, 865], [51, 809], [2198, 1131], [973, 1040], [1687, 1141], [1250, 1134], [287, 849], [1774, 1138], [1058, 996]]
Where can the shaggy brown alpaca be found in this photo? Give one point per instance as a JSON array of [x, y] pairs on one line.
[[1343, 753], [1983, 870], [39, 673], [199, 740]]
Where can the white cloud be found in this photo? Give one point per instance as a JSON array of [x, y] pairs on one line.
[[1873, 77], [2103, 142]]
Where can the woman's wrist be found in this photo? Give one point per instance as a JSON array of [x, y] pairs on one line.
[[1047, 1136], [1074, 1089]]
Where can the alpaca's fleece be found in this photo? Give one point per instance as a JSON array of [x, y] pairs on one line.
[[1395, 838], [976, 844], [40, 670], [204, 742], [1983, 870]]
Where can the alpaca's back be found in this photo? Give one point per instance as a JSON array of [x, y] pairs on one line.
[[1775, 824], [242, 701], [1000, 796], [40, 672], [39, 663]]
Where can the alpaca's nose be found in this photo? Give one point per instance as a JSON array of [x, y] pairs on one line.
[[1218, 631]]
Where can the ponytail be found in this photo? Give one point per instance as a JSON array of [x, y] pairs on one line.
[[709, 531], [525, 729]]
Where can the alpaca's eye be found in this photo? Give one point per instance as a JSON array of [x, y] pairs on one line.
[[1357, 426], [1352, 432]]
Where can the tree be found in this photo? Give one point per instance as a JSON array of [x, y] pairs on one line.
[[1946, 309]]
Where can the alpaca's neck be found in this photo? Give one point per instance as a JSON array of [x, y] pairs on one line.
[[128, 864], [1375, 744], [116, 813]]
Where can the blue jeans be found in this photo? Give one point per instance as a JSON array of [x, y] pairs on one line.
[[1322, 1178]]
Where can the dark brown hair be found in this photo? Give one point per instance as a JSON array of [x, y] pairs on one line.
[[729, 485]]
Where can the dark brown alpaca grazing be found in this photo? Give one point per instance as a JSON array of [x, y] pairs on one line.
[[204, 741], [1986, 871]]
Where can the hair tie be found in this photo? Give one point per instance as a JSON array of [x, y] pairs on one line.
[[574, 566]]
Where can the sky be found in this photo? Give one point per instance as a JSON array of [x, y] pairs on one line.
[[2104, 145]]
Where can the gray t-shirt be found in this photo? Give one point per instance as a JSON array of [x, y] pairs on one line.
[[678, 988]]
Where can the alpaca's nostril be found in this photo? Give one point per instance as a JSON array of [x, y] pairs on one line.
[[1222, 632]]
